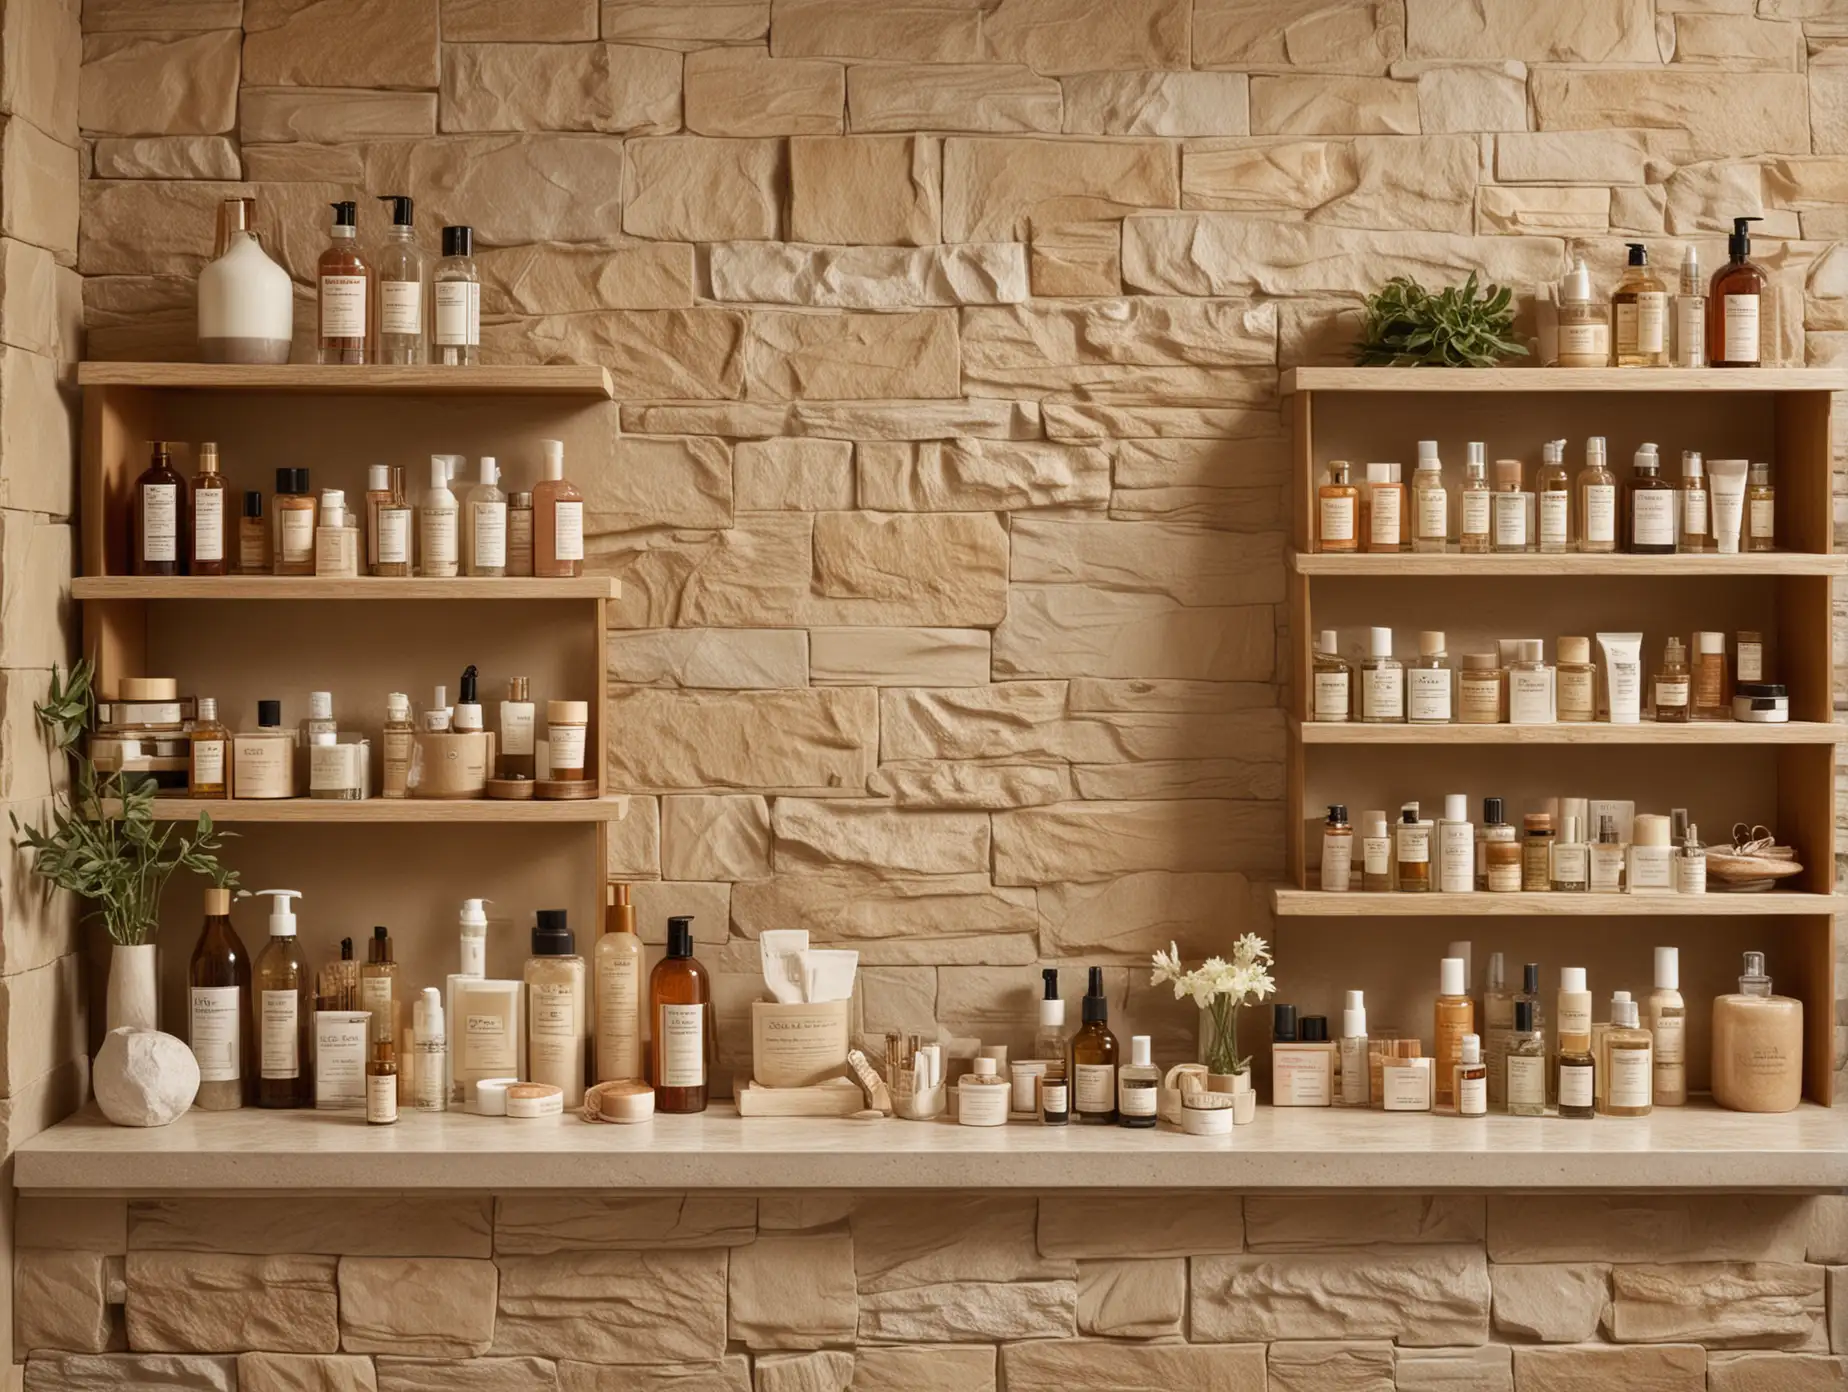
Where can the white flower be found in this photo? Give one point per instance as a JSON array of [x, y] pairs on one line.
[[1240, 981]]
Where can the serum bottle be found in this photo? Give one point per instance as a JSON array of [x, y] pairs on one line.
[[1382, 682], [1094, 1058], [1138, 1085], [210, 517], [1356, 1072], [619, 989], [1640, 306], [1049, 1040], [1338, 509], [486, 533], [1430, 502], [1597, 495]]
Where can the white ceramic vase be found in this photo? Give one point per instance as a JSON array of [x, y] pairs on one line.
[[134, 988]]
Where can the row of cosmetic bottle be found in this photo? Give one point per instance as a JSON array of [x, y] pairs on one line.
[[1516, 685], [182, 527], [273, 1033], [1712, 324], [1632, 853], [1721, 505]]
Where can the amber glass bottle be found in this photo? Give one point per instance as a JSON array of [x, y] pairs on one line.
[[284, 1012], [218, 981], [159, 518], [1734, 303], [680, 1009], [211, 517], [1094, 1058]]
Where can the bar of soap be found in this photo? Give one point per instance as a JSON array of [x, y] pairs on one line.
[[535, 1100], [491, 1096], [626, 1102]]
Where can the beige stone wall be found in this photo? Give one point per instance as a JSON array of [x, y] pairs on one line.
[[935, 1293]]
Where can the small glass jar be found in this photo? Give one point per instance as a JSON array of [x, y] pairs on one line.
[[1537, 851], [567, 729], [1480, 689], [1503, 855]]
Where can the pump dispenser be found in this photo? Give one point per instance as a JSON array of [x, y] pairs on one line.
[[1691, 313], [401, 278], [1049, 1042], [474, 939], [343, 283], [1094, 1057], [557, 1035], [1356, 1072], [1639, 305], [680, 1013], [430, 1040], [1734, 322], [284, 1011], [619, 988]]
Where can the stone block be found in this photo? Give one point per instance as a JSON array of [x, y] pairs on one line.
[[467, 1375], [304, 1372], [1134, 915], [1828, 101], [356, 43], [333, 115], [827, 1371], [803, 1210], [729, 1374], [935, 31], [865, 277], [613, 1306], [1318, 104], [41, 311], [433, 1307], [896, 919], [1719, 1304], [1473, 97], [946, 569], [792, 476], [539, 1225], [723, 659], [1433, 1296], [130, 1372], [1618, 32], [166, 157], [634, 842], [536, 21], [1052, 37], [554, 278], [37, 452], [1132, 1299], [1489, 1368], [654, 900], [1738, 41], [1274, 1223], [35, 604], [974, 1310], [715, 838], [71, 1225], [60, 1301], [351, 1225], [171, 16], [525, 188], [1545, 211], [307, 164], [1336, 37], [966, 475], [993, 189], [744, 91], [1077, 258], [1091, 630], [1597, 1368], [1134, 1225], [990, 97], [694, 189], [898, 656], [1139, 332], [1189, 565], [184, 1302], [618, 88], [695, 740], [946, 783], [660, 481], [754, 573], [902, 1245], [44, 58], [1591, 157], [38, 190], [829, 833], [794, 355], [1328, 1366], [675, 22], [159, 84], [1156, 103], [691, 353], [793, 1291], [1404, 182], [1704, 103], [1196, 1367], [1649, 1228], [875, 189], [1775, 1372], [1555, 1303]]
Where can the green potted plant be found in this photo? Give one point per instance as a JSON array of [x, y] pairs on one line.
[[1408, 326], [1221, 989], [104, 843]]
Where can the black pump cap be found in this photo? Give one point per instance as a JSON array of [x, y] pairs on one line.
[[1739, 244], [253, 502], [1530, 978], [345, 214], [346, 949], [1283, 1024], [680, 936], [458, 241], [551, 938], [400, 208], [1096, 1006], [1491, 810], [1639, 254], [1337, 812], [1524, 1016], [292, 481], [1314, 1029], [269, 713], [379, 949], [469, 698], [1051, 977]]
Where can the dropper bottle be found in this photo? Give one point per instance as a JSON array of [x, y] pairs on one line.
[[1049, 1042]]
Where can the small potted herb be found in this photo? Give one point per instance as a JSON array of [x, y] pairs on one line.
[[1408, 326]]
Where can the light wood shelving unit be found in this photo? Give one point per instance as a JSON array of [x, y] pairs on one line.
[[1781, 775], [406, 864]]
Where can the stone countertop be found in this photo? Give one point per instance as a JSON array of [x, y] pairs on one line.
[[1694, 1147]]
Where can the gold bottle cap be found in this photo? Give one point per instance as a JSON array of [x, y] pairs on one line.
[[208, 457], [619, 913], [567, 712], [148, 689], [217, 902]]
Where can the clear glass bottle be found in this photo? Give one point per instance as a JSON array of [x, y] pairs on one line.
[[1673, 683], [399, 741], [456, 291], [558, 519], [1735, 301], [1384, 523], [208, 755], [1429, 683], [1469, 1079], [1628, 1051], [557, 1029], [1411, 851], [1597, 501], [280, 985], [520, 534], [1571, 869], [1584, 323], [378, 985], [1575, 683], [1338, 511], [1333, 697], [1695, 534], [1337, 850], [1537, 852], [218, 1000], [1639, 309], [1475, 511], [1760, 510], [484, 536], [401, 288], [1691, 313], [1708, 699], [1553, 499], [1532, 698], [1356, 1072], [1607, 859], [1690, 861], [1649, 507], [160, 518], [1524, 1089], [1479, 689], [1382, 682], [1430, 502], [1138, 1083], [1512, 504], [336, 539], [344, 285]]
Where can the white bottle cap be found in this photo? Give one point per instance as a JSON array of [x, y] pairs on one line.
[[1691, 463], [1450, 977], [1052, 1014], [475, 916], [1430, 643], [1594, 446], [984, 1068], [441, 703], [1576, 287], [320, 705], [378, 478], [1456, 807], [397, 706], [1139, 1051], [208, 708], [1372, 823], [282, 912], [1707, 644], [1382, 642], [1532, 650], [554, 458], [1570, 835], [1472, 1048], [1476, 455], [427, 1018], [1668, 969], [439, 471], [490, 471], [1427, 449], [324, 739], [1572, 978], [1647, 454], [1326, 641], [1354, 1016]]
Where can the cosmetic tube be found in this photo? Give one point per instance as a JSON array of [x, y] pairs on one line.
[[1726, 480], [1623, 675]]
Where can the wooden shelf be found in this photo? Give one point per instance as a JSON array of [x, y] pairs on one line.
[[1557, 379], [309, 587], [320, 379], [1768, 563], [396, 810], [1591, 732], [1317, 903]]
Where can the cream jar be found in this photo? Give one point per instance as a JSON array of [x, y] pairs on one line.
[[1207, 1113], [567, 731], [982, 1096], [1763, 703]]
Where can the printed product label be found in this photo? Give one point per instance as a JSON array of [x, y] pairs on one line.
[[516, 727], [1433, 514], [1505, 877], [1670, 1052], [520, 537], [1430, 693], [1337, 519], [567, 746], [1382, 692], [1741, 334], [1672, 693], [160, 521], [1606, 869], [432, 1091], [1337, 861], [437, 536], [382, 1098], [1456, 848], [1751, 662], [1652, 520], [1384, 528], [1414, 845], [1475, 513], [260, 767], [1136, 1101], [1096, 1087], [1582, 339], [1530, 698], [1526, 1080], [330, 767], [683, 1046], [252, 554], [1694, 511], [394, 535], [488, 1046], [1473, 1096], [343, 306], [1555, 508], [1053, 1098], [1576, 690], [1600, 512], [400, 307], [1481, 698], [618, 1007], [215, 1033], [1572, 864], [295, 534], [208, 758], [1762, 518], [1331, 695], [1690, 331], [1574, 1085], [489, 530], [281, 1040], [552, 1029], [375, 997], [1632, 1077], [1510, 520], [458, 314], [568, 525], [1691, 874], [1574, 1019], [209, 524], [1652, 321], [1376, 855]]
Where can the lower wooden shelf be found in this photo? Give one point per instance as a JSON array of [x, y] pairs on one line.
[[1321, 903], [1590, 732], [308, 810]]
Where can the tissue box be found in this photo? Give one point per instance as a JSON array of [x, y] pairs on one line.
[[798, 1045]]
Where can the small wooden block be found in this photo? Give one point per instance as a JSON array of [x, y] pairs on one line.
[[839, 1098]]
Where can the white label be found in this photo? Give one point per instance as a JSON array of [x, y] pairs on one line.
[[1762, 518], [1504, 877], [295, 534], [282, 1055], [1694, 512], [1576, 688], [160, 521], [1433, 514], [1475, 513], [1376, 855], [215, 1033], [1691, 874], [1670, 1035], [208, 756], [1430, 693], [1456, 854], [683, 1045], [1481, 697], [567, 746], [1652, 518], [1572, 864], [458, 313], [394, 535], [488, 1046], [1606, 869], [520, 536], [343, 306], [619, 983], [568, 531], [516, 727], [1690, 331], [1414, 844], [437, 535], [381, 1098], [1652, 321], [1582, 339], [1405, 1089], [1574, 1085], [1555, 508], [1741, 335], [1384, 526], [1526, 1080], [1331, 696], [1632, 1077], [1337, 519], [552, 1026], [330, 768], [1601, 512], [488, 521], [1510, 520], [1671, 692], [1473, 1096], [1530, 697], [209, 524], [1096, 1087], [400, 307], [1337, 861], [1574, 1018], [1356, 1074], [1751, 662], [1382, 693], [1136, 1101], [1053, 1097]]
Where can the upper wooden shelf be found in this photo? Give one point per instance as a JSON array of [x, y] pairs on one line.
[[328, 379], [309, 587], [441, 811], [1319, 903], [1564, 379], [1588, 732], [1570, 563]]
